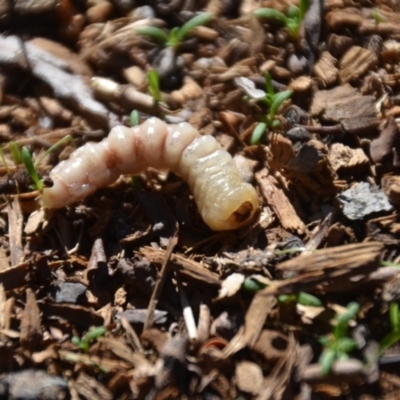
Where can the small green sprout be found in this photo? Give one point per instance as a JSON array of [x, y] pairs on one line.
[[254, 285], [177, 35], [394, 335], [293, 20], [154, 85], [303, 298], [258, 132], [86, 340], [15, 153], [23, 156], [272, 101], [134, 118], [377, 16], [337, 345], [30, 167]]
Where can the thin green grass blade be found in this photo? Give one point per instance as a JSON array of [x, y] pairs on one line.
[[154, 85], [65, 139], [28, 162], [15, 153]]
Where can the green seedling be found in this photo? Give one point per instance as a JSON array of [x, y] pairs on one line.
[[176, 35], [30, 167], [134, 118], [303, 298], [292, 21], [337, 345], [253, 285], [4, 161], [377, 16], [272, 101], [86, 340], [394, 335], [23, 156], [154, 85], [15, 153]]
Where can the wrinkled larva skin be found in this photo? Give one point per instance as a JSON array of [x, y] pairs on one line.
[[224, 200]]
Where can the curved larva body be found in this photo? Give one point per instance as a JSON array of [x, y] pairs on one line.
[[224, 200]]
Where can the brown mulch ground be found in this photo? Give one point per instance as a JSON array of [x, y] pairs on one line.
[[128, 294]]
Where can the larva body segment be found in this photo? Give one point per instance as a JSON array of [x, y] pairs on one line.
[[224, 200]]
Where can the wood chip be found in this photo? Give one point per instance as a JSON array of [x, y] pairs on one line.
[[325, 68], [182, 264], [249, 377], [355, 63], [332, 267], [15, 220], [343, 157], [31, 331], [278, 201], [345, 105]]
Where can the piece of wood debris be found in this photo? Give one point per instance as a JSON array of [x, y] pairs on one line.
[[327, 269], [345, 105], [277, 200], [385, 149], [68, 87], [249, 377], [344, 158], [184, 265], [355, 63], [391, 187], [348, 17], [31, 330], [326, 69], [15, 221]]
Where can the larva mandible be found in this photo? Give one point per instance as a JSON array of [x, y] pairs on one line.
[[223, 199]]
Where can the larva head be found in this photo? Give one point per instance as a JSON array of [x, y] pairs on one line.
[[236, 208]]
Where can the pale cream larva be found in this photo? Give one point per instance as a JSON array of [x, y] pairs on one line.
[[224, 200]]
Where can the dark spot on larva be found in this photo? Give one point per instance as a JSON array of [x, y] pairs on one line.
[[48, 182], [243, 212]]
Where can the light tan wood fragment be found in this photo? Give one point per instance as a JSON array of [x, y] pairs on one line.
[[277, 200], [355, 63], [183, 264], [391, 187], [344, 157], [326, 69], [15, 220]]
